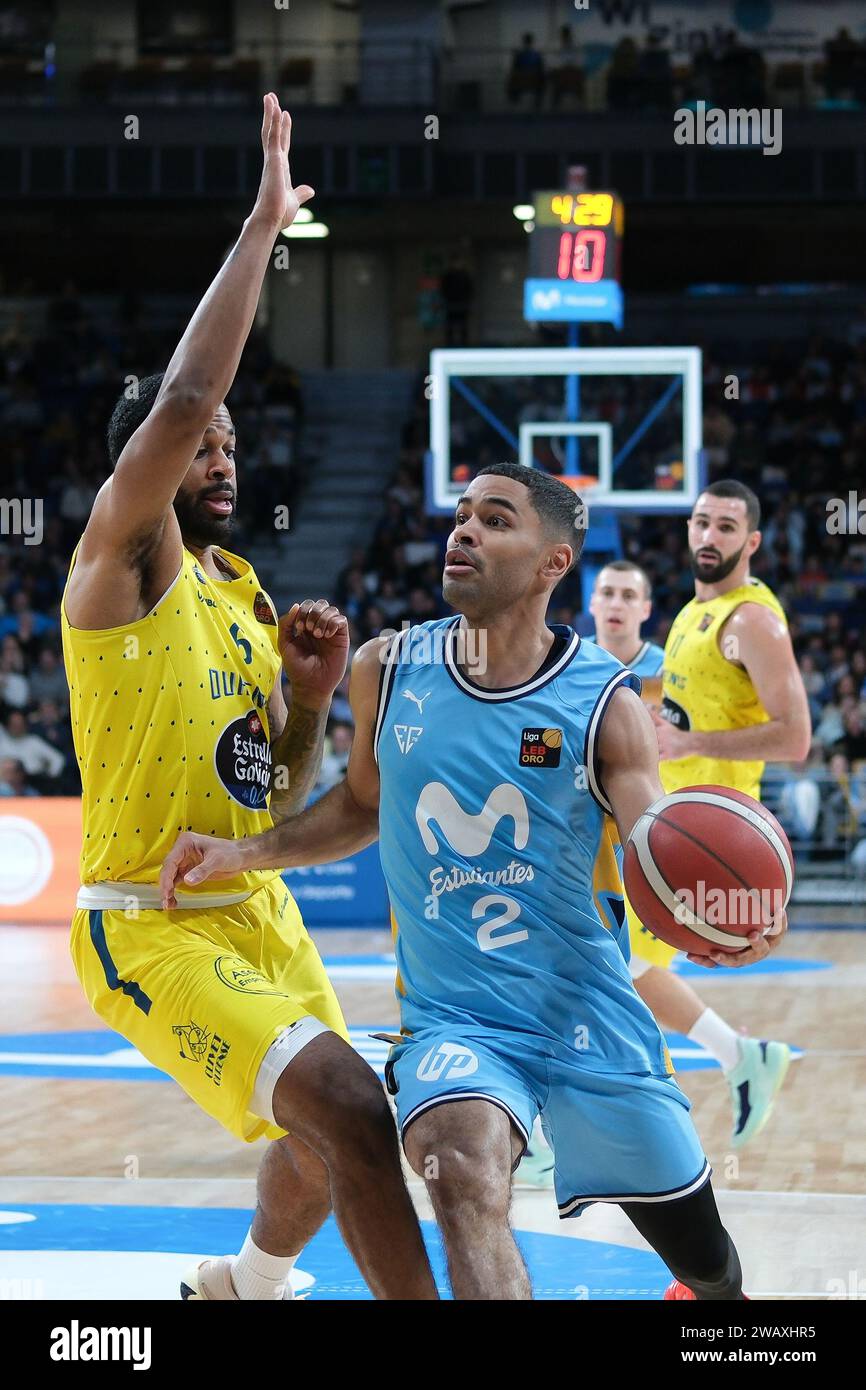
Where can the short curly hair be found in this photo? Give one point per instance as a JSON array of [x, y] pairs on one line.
[[129, 413]]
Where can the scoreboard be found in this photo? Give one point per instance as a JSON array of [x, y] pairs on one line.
[[574, 259]]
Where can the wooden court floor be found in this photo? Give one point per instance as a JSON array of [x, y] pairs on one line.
[[794, 1200]]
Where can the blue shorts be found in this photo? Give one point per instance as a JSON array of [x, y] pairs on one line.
[[616, 1136]]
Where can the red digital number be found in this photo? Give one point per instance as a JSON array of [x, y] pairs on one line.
[[581, 256]]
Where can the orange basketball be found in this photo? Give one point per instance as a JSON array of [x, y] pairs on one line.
[[705, 866]]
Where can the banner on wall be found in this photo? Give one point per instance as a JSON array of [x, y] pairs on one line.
[[349, 893], [776, 26], [40, 843]]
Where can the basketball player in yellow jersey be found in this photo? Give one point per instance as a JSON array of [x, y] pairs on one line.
[[173, 656], [732, 699]]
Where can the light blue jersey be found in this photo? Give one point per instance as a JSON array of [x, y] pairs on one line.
[[499, 853], [501, 860], [647, 661]]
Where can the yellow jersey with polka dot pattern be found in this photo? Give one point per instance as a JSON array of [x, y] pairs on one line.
[[170, 724], [702, 689]]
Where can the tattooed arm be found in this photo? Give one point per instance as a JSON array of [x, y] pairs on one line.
[[313, 639], [296, 754]]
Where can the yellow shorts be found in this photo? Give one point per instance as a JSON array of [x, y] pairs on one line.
[[203, 993], [644, 944]]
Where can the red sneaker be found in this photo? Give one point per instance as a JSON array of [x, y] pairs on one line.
[[676, 1290]]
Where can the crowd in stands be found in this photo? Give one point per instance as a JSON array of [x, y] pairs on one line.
[[796, 434], [721, 70]]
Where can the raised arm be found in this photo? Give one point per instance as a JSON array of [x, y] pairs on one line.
[[628, 758], [345, 820], [763, 648], [132, 531]]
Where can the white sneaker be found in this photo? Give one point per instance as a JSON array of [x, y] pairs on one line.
[[212, 1279]]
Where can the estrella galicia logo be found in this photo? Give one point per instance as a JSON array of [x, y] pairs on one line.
[[241, 642], [540, 747], [244, 978], [193, 1040], [242, 758], [446, 1060]]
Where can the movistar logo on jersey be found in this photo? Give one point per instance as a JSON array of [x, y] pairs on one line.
[[446, 1060], [470, 835], [467, 833]]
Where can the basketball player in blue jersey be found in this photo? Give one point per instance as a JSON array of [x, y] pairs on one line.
[[621, 602], [490, 784]]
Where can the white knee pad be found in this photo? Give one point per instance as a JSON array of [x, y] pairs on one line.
[[278, 1056]]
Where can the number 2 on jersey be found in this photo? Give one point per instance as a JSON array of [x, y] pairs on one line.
[[486, 940]]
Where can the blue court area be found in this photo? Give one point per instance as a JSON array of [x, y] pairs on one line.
[[89, 1251], [100, 1055]]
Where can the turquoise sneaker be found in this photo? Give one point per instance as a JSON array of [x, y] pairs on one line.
[[755, 1082]]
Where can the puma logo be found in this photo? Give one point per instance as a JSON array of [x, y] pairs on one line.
[[407, 695]]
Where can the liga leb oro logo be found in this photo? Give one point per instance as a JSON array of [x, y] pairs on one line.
[[540, 747], [706, 621], [263, 610]]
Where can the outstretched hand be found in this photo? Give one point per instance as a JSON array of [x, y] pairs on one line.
[[277, 199]]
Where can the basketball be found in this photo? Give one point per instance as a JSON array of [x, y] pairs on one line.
[[552, 738], [705, 866]]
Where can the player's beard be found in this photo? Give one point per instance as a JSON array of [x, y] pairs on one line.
[[200, 526], [713, 574]]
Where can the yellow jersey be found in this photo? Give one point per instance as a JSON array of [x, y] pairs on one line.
[[170, 724], [702, 689]]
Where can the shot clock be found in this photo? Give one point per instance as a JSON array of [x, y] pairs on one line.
[[574, 259]]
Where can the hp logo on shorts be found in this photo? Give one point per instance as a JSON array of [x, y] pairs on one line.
[[446, 1060]]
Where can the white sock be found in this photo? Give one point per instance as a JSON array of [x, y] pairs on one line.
[[255, 1274], [718, 1038]]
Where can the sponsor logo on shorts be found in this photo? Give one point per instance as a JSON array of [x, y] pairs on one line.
[[446, 1061], [242, 758], [244, 978], [540, 747], [217, 1053], [193, 1040]]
